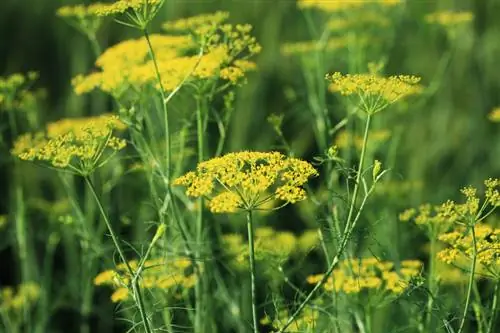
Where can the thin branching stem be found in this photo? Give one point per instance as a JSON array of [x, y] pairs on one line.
[[135, 282], [347, 234], [471, 280]]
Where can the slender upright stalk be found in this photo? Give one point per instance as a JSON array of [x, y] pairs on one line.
[[350, 225], [358, 174], [431, 282], [471, 281], [199, 216], [252, 269], [164, 100], [493, 308], [135, 284]]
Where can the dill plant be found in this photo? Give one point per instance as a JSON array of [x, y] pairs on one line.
[[170, 89]]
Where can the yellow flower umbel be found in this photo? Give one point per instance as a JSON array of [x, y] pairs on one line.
[[80, 145], [459, 252], [138, 13], [439, 219], [126, 68], [373, 92], [127, 64], [370, 274], [158, 274], [247, 180]]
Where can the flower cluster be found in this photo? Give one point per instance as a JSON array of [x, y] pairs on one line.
[[345, 140], [169, 275], [11, 301], [81, 11], [248, 180], [339, 6], [127, 66], [78, 144], [305, 47], [271, 246], [122, 6], [373, 91], [449, 19], [440, 218], [397, 188], [198, 24], [362, 20], [460, 250], [305, 322], [357, 275], [14, 93]]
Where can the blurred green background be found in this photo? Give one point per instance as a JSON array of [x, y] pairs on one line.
[[446, 143]]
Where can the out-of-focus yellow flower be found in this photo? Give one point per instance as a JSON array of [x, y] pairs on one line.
[[357, 275], [81, 11], [374, 92], [247, 180], [343, 5], [15, 93], [305, 322], [3, 221], [271, 246], [14, 303], [196, 23], [449, 18], [77, 144], [305, 47], [494, 115], [377, 137], [158, 273]]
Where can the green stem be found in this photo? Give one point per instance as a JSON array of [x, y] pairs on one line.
[[164, 100], [347, 232], [199, 216], [135, 284], [471, 281], [493, 308], [431, 282], [252, 270], [358, 175]]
